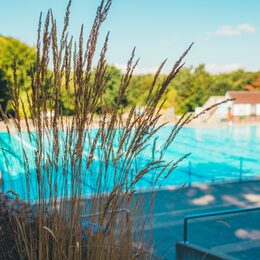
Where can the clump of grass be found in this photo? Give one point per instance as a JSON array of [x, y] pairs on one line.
[[83, 169]]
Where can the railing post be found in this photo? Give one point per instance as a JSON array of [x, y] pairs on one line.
[[189, 172], [185, 230], [1, 182], [240, 168]]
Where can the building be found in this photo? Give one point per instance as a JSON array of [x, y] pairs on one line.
[[245, 107]]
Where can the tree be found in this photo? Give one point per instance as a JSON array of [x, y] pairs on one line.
[[24, 55], [4, 91], [114, 78]]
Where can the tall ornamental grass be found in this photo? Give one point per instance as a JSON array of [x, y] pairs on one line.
[[80, 174]]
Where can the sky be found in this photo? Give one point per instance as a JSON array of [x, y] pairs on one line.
[[226, 33]]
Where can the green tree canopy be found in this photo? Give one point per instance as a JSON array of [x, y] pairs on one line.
[[190, 89], [11, 49]]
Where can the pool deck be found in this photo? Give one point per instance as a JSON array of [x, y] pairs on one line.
[[68, 121], [237, 235]]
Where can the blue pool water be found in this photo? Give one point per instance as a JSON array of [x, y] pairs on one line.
[[217, 154]]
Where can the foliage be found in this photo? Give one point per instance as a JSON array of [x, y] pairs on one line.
[[24, 55], [191, 88]]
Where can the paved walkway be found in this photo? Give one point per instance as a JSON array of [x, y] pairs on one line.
[[237, 235]]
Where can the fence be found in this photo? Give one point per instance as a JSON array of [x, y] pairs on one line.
[[238, 175], [212, 214]]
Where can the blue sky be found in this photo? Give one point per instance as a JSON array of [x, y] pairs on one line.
[[226, 32]]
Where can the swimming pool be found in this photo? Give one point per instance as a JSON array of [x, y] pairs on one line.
[[217, 154]]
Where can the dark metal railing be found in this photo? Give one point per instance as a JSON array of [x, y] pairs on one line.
[[190, 173], [121, 210], [240, 168], [212, 214], [95, 226]]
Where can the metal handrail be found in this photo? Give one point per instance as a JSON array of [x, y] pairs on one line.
[[190, 173], [216, 213], [121, 210]]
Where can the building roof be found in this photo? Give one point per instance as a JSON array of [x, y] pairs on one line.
[[245, 97]]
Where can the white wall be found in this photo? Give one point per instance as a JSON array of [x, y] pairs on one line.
[[222, 110], [241, 110], [257, 110]]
